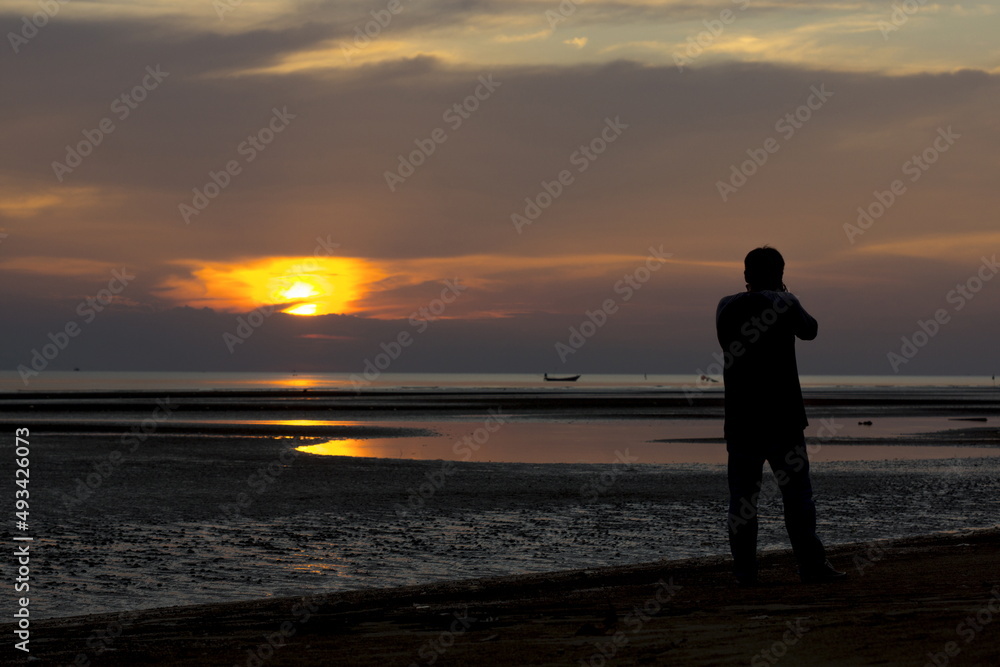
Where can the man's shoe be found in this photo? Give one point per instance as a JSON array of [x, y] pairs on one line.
[[820, 574]]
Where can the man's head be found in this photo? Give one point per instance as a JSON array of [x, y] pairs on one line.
[[763, 268]]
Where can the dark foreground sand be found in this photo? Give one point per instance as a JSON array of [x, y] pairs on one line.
[[907, 602]]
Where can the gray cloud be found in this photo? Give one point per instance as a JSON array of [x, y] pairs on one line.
[[324, 175]]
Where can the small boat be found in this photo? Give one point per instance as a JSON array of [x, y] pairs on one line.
[[561, 378]]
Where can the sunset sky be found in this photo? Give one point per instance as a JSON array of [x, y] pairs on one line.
[[198, 160]]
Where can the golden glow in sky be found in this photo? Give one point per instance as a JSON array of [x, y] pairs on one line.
[[349, 285], [301, 285], [303, 289]]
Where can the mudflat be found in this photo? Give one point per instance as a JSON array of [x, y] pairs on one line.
[[925, 600]]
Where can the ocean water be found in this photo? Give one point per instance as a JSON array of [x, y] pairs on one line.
[[10, 381], [238, 513]]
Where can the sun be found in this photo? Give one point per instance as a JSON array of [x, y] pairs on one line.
[[309, 286], [300, 290], [306, 286], [303, 309]]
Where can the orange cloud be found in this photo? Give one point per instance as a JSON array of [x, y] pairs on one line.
[[956, 246], [304, 285], [381, 289]]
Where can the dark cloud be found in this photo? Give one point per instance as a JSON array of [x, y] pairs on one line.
[[323, 175]]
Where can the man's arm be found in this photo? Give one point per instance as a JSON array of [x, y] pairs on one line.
[[806, 326], [719, 334]]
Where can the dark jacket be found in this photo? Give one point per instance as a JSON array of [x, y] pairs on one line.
[[757, 332]]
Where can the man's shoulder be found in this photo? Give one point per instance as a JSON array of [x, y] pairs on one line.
[[779, 295], [744, 300], [744, 305], [726, 300], [723, 302]]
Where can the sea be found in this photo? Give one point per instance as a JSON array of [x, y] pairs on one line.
[[211, 513], [11, 381]]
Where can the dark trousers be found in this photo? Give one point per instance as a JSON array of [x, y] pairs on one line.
[[790, 463]]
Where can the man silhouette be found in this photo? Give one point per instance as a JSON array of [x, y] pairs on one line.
[[765, 415]]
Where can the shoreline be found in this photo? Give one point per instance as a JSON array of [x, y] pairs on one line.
[[229, 518], [964, 400], [903, 599]]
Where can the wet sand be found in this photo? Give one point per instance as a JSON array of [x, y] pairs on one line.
[[905, 602], [232, 515], [181, 520]]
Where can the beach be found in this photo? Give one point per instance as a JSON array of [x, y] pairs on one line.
[[408, 333], [153, 505], [930, 600]]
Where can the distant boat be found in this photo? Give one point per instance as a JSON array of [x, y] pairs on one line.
[[561, 378], [705, 378]]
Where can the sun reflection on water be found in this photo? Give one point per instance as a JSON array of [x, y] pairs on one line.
[[345, 447]]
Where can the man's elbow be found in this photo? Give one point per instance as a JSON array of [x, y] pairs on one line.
[[809, 330]]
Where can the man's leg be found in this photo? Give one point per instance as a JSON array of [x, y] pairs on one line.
[[745, 472], [790, 463]]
